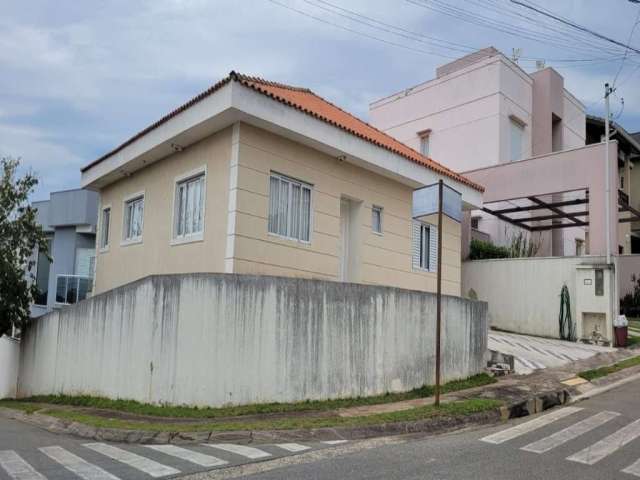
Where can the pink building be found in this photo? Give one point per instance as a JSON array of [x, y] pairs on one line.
[[484, 110]]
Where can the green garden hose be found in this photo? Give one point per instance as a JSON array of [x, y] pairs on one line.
[[567, 325]]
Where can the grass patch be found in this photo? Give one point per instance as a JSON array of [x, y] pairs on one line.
[[452, 409], [632, 341], [131, 406], [604, 371]]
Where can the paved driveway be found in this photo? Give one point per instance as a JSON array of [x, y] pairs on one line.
[[534, 353]]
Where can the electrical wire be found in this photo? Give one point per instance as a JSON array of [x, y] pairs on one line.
[[626, 51]]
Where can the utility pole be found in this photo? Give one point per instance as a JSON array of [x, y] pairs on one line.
[[439, 293], [607, 174]]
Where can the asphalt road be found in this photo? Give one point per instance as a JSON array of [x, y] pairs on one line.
[[585, 437], [594, 439]]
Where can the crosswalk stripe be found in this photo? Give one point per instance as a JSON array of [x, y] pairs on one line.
[[569, 433], [136, 461], [17, 468], [293, 447], [189, 455], [608, 445], [334, 442], [633, 469], [243, 450], [75, 464], [531, 425]]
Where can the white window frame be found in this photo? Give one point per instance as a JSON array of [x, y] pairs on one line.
[[517, 123], [428, 245], [302, 184], [104, 247], [380, 210], [177, 181], [425, 142], [130, 199]]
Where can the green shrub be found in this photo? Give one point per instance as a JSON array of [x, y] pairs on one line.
[[481, 250]]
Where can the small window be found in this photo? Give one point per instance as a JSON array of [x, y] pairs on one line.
[[376, 219], [189, 205], [424, 145], [289, 208], [517, 140], [106, 225], [599, 282], [133, 219], [425, 246], [475, 222], [621, 182]]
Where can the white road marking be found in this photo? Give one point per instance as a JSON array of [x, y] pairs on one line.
[[335, 442], [607, 445], [633, 469], [569, 433], [17, 467], [243, 450], [138, 462], [293, 447], [189, 455], [530, 426], [75, 464]]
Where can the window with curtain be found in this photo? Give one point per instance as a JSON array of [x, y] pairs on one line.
[[133, 215], [189, 214], [289, 208]]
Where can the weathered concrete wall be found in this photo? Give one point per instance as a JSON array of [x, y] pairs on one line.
[[9, 359], [214, 339]]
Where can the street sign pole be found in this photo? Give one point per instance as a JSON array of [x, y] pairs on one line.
[[439, 293]]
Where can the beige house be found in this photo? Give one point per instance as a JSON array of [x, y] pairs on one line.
[[256, 177]]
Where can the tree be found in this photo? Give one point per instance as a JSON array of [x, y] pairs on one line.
[[19, 236]]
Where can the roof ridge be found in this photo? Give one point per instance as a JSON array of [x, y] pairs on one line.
[[251, 78]]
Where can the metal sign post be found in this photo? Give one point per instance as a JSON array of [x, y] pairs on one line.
[[439, 293], [443, 200]]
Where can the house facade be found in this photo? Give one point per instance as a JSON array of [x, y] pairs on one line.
[[484, 110], [68, 219], [257, 177], [628, 177]]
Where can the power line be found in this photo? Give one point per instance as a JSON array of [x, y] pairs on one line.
[[626, 52], [576, 26], [357, 32]]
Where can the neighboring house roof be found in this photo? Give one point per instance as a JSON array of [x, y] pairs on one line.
[[308, 102], [633, 139]]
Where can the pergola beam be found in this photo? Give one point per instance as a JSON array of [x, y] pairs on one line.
[[564, 214], [526, 208], [506, 219], [559, 225], [555, 216]]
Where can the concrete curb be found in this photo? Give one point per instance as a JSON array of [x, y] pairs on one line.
[[605, 388], [523, 407]]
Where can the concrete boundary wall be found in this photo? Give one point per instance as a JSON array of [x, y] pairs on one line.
[[524, 293], [215, 339], [9, 359]]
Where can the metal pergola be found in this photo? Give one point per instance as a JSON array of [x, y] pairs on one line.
[[561, 214]]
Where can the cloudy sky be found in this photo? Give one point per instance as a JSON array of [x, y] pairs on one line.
[[78, 78]]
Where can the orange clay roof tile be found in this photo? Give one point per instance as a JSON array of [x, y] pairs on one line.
[[308, 102]]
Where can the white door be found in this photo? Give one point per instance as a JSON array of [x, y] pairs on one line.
[[345, 220]]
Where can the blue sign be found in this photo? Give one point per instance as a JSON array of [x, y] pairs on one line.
[[425, 202]]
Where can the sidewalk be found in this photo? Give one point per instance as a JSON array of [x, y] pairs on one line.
[[518, 395]]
